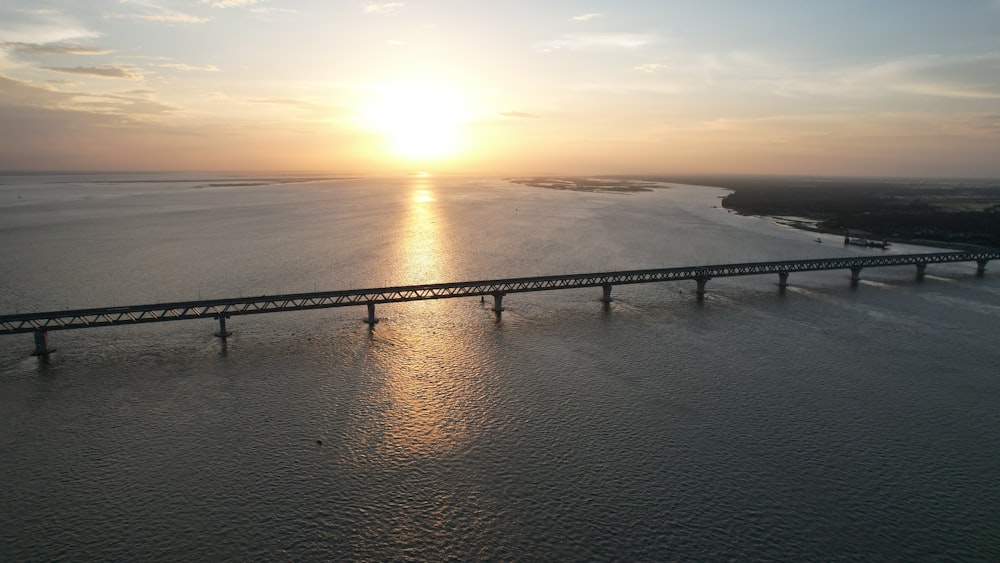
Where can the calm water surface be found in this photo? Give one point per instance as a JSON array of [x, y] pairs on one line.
[[822, 423]]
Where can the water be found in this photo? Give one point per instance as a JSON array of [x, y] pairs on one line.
[[825, 423]]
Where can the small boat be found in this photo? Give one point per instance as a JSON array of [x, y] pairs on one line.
[[819, 239]]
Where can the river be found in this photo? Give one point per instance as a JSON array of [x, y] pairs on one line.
[[824, 422]]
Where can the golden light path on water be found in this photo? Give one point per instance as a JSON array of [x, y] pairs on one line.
[[425, 395]]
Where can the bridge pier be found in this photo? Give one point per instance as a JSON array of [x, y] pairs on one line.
[[782, 280], [981, 267], [921, 268], [855, 275], [498, 302], [371, 320], [223, 333], [701, 286], [607, 293], [42, 344]]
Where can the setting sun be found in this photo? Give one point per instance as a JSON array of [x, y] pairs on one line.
[[418, 122]]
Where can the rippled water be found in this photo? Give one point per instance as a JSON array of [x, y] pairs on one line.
[[822, 423]]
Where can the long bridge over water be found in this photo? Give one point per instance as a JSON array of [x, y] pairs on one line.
[[41, 323]]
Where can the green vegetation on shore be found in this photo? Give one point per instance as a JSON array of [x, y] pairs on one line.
[[946, 212]]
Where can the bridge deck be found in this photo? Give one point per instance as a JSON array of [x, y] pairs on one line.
[[222, 308]]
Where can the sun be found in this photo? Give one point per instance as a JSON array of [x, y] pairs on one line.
[[420, 122]]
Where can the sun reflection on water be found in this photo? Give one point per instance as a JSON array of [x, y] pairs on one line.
[[424, 365], [421, 251]]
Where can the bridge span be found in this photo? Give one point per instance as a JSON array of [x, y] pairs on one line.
[[41, 323]]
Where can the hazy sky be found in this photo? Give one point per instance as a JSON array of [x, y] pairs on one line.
[[846, 87]]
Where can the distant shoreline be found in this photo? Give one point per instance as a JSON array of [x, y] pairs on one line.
[[962, 214], [587, 184]]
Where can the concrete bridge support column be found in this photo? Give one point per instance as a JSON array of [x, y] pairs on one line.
[[607, 293], [42, 344], [855, 275], [981, 267], [371, 320], [498, 302], [921, 268], [223, 333], [782, 280], [701, 287]]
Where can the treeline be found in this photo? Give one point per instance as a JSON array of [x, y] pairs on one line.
[[970, 227], [935, 211]]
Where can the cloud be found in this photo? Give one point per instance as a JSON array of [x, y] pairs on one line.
[[519, 114], [214, 96], [40, 11], [173, 17], [189, 68], [302, 110], [292, 102], [388, 8], [650, 67], [148, 11], [132, 105], [41, 33], [53, 49], [229, 3], [597, 42], [587, 17], [957, 77], [270, 10], [790, 129], [103, 71], [975, 76]]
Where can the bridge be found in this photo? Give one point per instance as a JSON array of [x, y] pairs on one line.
[[40, 324]]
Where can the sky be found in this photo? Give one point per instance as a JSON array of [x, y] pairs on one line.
[[819, 87]]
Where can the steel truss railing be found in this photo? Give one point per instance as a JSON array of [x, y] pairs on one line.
[[223, 308]]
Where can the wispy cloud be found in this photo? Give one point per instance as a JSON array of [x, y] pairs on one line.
[[102, 71], [214, 96], [189, 68], [172, 17], [957, 77], [587, 17], [387, 8], [597, 42], [520, 115], [132, 105], [39, 11], [44, 32], [650, 67], [149, 11], [53, 49], [292, 102], [271, 10], [951, 77], [229, 3]]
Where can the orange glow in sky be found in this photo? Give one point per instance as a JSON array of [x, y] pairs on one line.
[[503, 88]]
